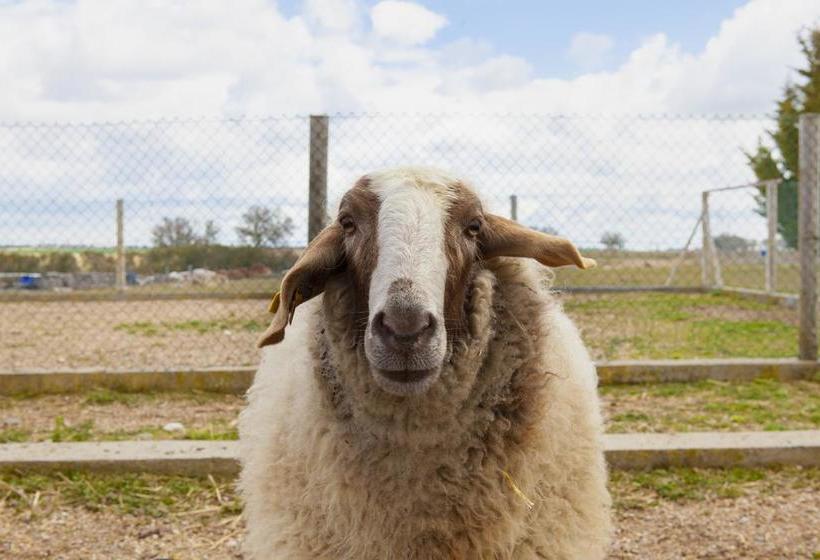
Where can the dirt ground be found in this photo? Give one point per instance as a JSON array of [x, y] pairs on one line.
[[781, 526], [119, 413], [130, 335], [784, 526], [203, 333], [703, 406], [70, 533]]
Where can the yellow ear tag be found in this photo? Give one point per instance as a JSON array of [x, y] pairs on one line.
[[274, 303]]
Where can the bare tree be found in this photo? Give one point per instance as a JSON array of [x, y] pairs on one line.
[[211, 233], [613, 241], [173, 232], [730, 242], [264, 227]]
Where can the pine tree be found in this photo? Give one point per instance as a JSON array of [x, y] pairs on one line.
[[783, 163]]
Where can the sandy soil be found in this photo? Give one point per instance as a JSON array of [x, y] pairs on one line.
[[623, 410], [781, 526], [109, 334], [140, 412], [74, 533], [784, 525]]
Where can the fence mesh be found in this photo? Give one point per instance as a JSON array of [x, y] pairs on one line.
[[216, 210]]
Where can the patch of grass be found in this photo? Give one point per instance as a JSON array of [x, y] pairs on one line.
[[664, 325], [721, 338], [138, 494], [14, 435], [218, 431], [200, 326], [103, 396], [141, 328], [63, 432], [647, 488], [219, 325], [762, 404], [213, 432]]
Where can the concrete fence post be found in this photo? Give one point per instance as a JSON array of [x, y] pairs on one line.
[[706, 246], [119, 278], [809, 177], [514, 207], [771, 242], [317, 181]]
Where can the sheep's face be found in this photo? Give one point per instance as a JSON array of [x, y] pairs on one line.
[[411, 242], [408, 242]]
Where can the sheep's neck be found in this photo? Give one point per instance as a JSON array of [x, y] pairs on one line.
[[486, 391]]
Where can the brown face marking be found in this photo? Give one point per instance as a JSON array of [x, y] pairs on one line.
[[462, 253], [360, 205]]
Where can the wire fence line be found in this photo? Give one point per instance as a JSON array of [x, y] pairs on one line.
[[213, 211]]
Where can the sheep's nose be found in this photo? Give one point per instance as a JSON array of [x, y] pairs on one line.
[[402, 328]]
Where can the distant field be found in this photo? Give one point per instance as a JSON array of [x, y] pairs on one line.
[[626, 269]]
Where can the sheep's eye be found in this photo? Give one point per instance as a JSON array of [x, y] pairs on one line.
[[347, 224], [474, 227]]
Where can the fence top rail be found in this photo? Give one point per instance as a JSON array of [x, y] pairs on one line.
[[767, 183]]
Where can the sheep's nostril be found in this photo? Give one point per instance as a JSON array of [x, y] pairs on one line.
[[431, 323], [403, 326], [379, 327]]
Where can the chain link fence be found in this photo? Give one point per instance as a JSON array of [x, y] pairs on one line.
[[214, 211]]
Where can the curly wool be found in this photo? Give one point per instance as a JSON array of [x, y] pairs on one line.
[[335, 468]]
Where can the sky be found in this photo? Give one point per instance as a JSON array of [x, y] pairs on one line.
[[209, 97], [101, 60]]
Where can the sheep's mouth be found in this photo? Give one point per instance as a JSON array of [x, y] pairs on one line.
[[405, 382]]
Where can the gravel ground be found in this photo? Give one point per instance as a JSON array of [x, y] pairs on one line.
[[130, 335], [752, 527], [702, 406], [69, 533], [121, 413], [784, 525]]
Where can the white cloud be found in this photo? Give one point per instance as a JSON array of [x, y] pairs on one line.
[[100, 60], [405, 22], [590, 50], [334, 15]]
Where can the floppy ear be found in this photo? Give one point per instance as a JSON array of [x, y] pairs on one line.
[[505, 238], [306, 279]]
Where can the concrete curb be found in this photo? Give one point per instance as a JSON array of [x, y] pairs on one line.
[[39, 382], [670, 371], [238, 379], [623, 451], [713, 449], [192, 458]]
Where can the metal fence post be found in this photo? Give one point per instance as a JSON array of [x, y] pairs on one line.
[[808, 233], [771, 242], [514, 207], [317, 182], [119, 278]]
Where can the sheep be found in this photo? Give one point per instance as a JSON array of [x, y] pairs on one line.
[[434, 401]]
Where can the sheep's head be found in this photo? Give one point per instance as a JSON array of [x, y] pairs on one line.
[[408, 241]]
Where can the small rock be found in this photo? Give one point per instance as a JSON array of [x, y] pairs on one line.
[[174, 427], [150, 532], [11, 422]]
